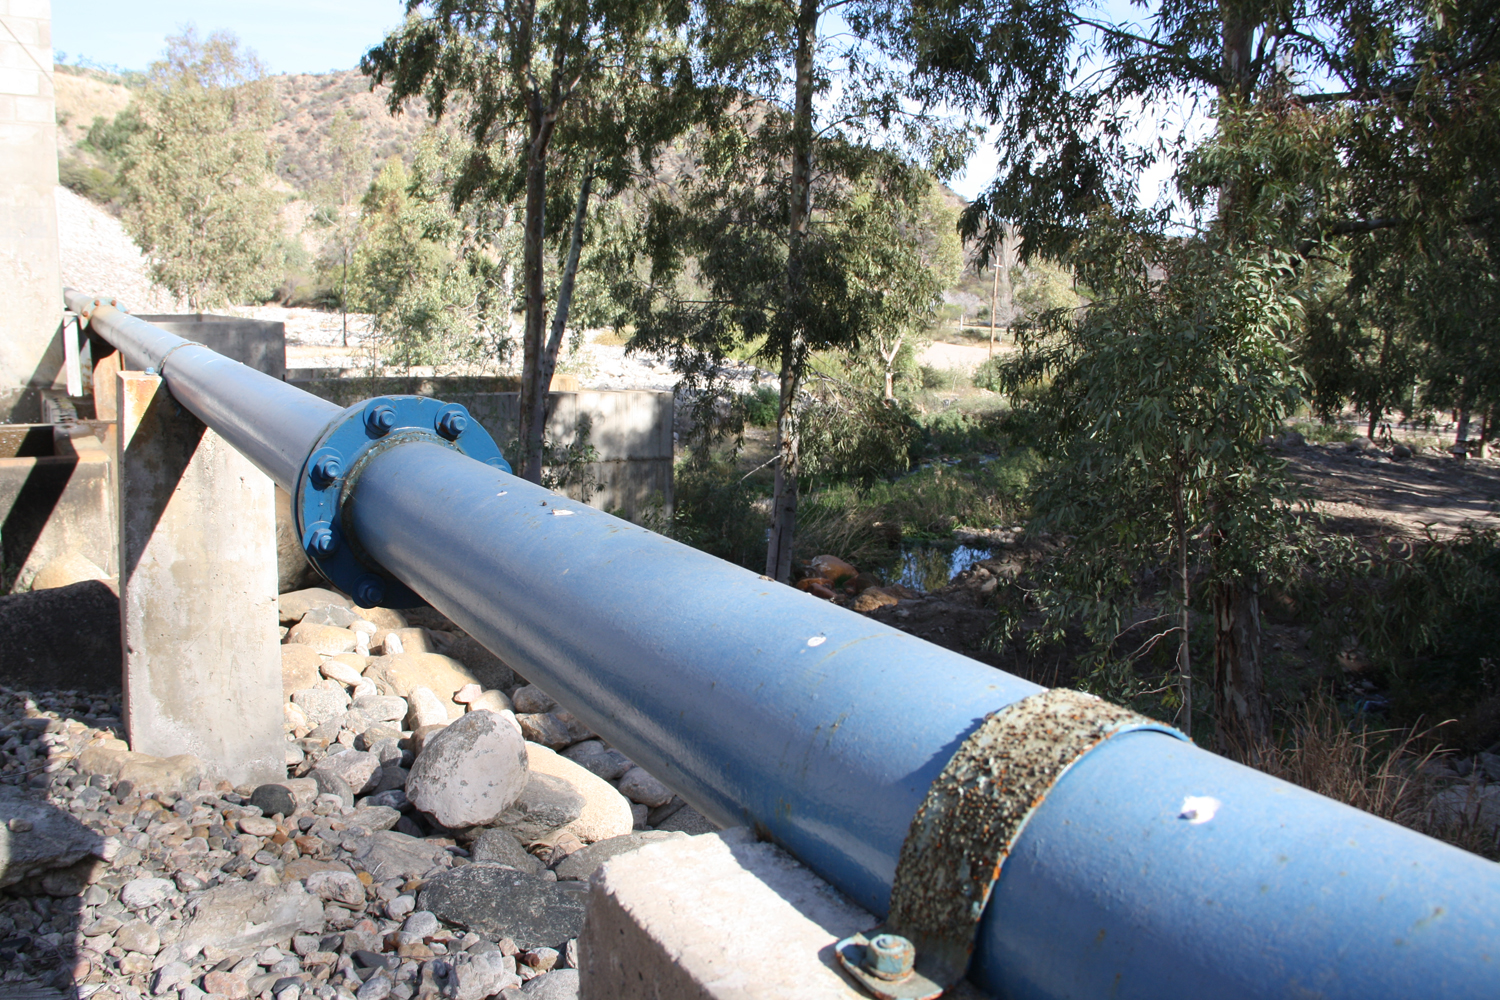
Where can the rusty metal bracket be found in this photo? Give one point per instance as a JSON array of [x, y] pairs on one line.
[[969, 823]]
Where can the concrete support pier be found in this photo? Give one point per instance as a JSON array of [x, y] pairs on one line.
[[31, 354], [198, 621]]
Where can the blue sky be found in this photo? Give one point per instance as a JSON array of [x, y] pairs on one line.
[[291, 36]]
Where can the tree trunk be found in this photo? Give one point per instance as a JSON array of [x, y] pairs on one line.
[[794, 352], [1184, 655], [1239, 705], [889, 357], [1461, 435], [529, 461], [995, 299], [547, 363]]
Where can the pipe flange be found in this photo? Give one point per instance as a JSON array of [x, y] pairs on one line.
[[361, 432], [969, 823]]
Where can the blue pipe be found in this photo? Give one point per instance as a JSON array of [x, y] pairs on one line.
[[823, 730], [702, 672]]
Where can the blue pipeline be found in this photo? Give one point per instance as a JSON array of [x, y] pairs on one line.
[[823, 730]]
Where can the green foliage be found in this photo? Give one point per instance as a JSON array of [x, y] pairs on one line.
[[852, 433], [714, 510], [195, 173], [421, 267], [760, 406], [1154, 402], [1423, 612]]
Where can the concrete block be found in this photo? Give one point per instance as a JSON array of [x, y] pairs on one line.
[[198, 611], [260, 344], [714, 917]]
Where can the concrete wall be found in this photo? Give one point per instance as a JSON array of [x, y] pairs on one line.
[[30, 279], [631, 431], [261, 344], [56, 496]]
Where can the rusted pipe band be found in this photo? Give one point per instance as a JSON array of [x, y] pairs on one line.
[[974, 814]]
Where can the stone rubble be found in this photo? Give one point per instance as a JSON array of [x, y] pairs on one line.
[[124, 875]]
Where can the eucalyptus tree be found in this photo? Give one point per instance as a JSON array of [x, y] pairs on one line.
[[761, 244], [579, 91], [196, 168]]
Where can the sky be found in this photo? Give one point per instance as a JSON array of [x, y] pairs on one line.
[[290, 36]]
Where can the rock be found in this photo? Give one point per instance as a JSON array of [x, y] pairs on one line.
[[329, 783], [468, 694], [1466, 805], [69, 568], [336, 887], [294, 719], [375, 816], [323, 638], [441, 675], [36, 837], [595, 757], [469, 773], [383, 708], [544, 805], [832, 568], [409, 641], [861, 583], [872, 598], [274, 799], [140, 893], [478, 976], [1400, 451], [297, 603], [426, 709], [335, 669], [559, 984], [420, 924], [496, 902], [360, 770], [299, 668], [689, 821], [639, 786], [240, 916], [541, 959], [393, 799], [174, 776], [557, 730], [502, 847], [257, 826], [231, 985], [606, 813], [321, 704], [138, 936], [581, 864], [387, 854], [532, 700], [490, 701], [386, 618], [170, 977], [105, 757], [489, 670], [331, 614], [304, 790]]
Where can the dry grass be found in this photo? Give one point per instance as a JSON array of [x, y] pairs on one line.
[[1380, 771]]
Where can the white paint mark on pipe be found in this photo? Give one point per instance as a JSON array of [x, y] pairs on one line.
[[1198, 809], [817, 640], [558, 512]]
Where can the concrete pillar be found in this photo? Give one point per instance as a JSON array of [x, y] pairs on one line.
[[31, 354], [198, 621]]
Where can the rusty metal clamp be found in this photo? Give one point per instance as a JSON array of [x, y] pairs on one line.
[[966, 828]]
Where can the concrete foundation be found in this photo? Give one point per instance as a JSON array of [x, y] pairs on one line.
[[714, 917], [31, 353], [256, 343], [198, 621]]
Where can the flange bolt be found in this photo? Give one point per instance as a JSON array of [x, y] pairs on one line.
[[452, 423], [369, 591], [327, 469], [889, 957], [380, 419], [321, 541]]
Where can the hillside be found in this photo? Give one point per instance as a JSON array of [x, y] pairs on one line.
[[309, 103]]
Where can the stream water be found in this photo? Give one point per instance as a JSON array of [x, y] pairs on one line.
[[930, 567]]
